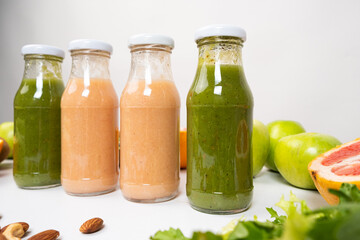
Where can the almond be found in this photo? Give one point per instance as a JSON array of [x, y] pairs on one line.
[[46, 235], [91, 225], [2, 237], [24, 225]]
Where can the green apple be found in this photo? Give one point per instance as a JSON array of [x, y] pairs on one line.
[[294, 153], [7, 133], [277, 130], [260, 146]]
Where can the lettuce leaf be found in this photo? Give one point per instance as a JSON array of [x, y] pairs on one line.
[[348, 193], [171, 234], [206, 236], [330, 223], [340, 222]]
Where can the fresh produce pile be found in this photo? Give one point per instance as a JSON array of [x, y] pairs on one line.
[[331, 223], [306, 160], [290, 150]]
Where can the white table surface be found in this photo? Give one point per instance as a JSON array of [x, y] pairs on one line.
[[54, 209]]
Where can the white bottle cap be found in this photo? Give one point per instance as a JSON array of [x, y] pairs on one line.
[[220, 30], [42, 49], [145, 38], [80, 44]]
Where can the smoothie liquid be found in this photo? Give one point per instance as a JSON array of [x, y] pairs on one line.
[[37, 145], [149, 167], [219, 113], [89, 137]]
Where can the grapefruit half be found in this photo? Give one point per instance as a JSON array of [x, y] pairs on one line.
[[334, 167]]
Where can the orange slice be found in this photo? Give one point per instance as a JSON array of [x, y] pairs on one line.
[[183, 148], [1, 144], [338, 165], [4, 149]]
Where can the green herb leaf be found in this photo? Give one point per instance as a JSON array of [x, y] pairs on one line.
[[171, 234], [347, 193], [274, 214], [331, 223], [252, 231], [337, 223], [206, 236], [240, 232]]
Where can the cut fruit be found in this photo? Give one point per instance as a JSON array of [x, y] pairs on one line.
[[338, 165], [183, 148]]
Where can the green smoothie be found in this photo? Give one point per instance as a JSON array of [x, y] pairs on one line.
[[37, 140], [219, 117]]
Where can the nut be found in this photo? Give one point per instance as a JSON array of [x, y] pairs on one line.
[[46, 235], [91, 225], [2, 237], [14, 231], [24, 225]]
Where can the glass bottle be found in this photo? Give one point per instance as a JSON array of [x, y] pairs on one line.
[[219, 125], [89, 122], [37, 141], [149, 123]]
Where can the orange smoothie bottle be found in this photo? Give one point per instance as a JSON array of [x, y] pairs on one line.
[[149, 123], [89, 122]]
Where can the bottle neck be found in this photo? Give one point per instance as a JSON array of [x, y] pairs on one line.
[[150, 62], [42, 67], [220, 50], [89, 64]]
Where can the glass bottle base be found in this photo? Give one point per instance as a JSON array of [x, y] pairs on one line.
[[90, 194], [219, 203], [153, 200], [40, 187], [220, 212]]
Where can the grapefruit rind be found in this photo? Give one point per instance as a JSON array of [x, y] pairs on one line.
[[331, 174]]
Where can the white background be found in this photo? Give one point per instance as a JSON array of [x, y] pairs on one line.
[[302, 62], [301, 58]]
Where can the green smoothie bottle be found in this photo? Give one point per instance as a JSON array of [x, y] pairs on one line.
[[37, 139], [219, 125]]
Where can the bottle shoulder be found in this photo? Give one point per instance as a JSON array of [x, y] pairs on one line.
[[220, 85], [39, 92], [92, 92], [157, 93]]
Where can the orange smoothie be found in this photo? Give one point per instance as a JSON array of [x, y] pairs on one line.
[[89, 137], [149, 146]]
